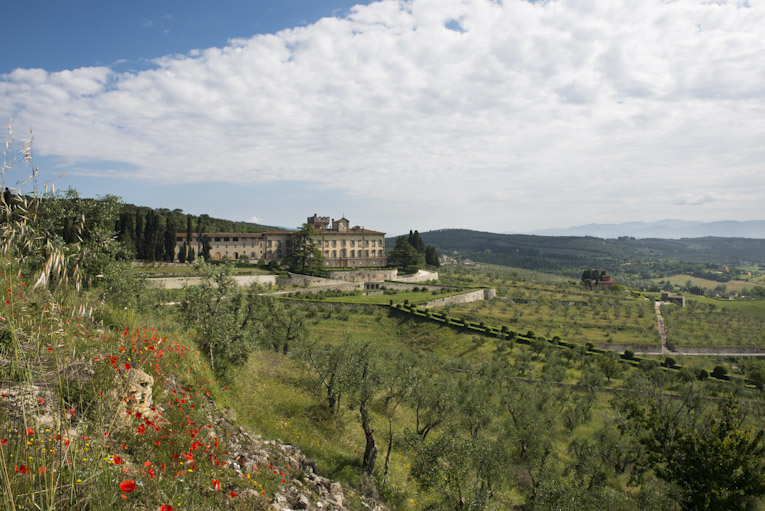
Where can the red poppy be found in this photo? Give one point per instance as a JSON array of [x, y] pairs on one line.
[[166, 507], [22, 469], [233, 494], [118, 460], [4, 441], [127, 485], [30, 431], [216, 484]]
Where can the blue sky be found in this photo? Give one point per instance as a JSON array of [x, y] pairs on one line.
[[417, 114]]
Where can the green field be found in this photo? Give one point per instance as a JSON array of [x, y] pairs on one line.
[[732, 285], [555, 306], [723, 323]]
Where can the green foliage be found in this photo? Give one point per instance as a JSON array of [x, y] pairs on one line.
[[715, 464], [610, 366], [405, 257], [223, 316], [720, 372], [305, 257]]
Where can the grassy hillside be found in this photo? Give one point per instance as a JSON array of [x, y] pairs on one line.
[[234, 398]]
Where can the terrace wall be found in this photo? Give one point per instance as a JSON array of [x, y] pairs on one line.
[[472, 296]]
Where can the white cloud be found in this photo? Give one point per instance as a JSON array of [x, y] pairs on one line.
[[623, 104]]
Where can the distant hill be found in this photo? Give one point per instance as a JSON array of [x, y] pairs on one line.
[[665, 229], [568, 254]]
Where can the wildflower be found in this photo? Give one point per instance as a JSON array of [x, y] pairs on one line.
[[216, 484], [166, 507], [127, 485], [118, 460], [30, 431], [232, 494]]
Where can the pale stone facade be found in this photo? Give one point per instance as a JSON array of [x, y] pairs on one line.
[[341, 245]]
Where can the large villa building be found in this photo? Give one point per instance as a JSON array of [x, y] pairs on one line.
[[342, 245]]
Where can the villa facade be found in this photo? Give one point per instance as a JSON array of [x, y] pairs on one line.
[[341, 245]]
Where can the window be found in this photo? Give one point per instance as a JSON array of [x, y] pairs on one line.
[[342, 242], [326, 253], [225, 239], [334, 243], [353, 243], [366, 243], [353, 252], [217, 239], [374, 242], [334, 254], [178, 239]]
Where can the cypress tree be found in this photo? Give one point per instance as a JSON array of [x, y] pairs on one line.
[[170, 240], [139, 253], [189, 233]]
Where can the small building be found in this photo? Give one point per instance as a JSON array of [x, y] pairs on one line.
[[668, 297], [605, 281]]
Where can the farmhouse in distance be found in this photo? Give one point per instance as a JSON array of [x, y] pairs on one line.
[[341, 245]]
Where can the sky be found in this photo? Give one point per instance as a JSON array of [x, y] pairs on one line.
[[503, 116]]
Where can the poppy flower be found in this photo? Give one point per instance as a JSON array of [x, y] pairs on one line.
[[127, 485], [166, 507], [216, 484], [30, 431], [233, 494], [118, 460], [4, 441]]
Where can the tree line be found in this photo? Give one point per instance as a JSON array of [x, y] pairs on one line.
[[411, 254]]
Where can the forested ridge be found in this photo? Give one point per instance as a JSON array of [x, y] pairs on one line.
[[568, 254]]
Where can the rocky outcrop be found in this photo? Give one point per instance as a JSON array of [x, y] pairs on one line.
[[308, 491]]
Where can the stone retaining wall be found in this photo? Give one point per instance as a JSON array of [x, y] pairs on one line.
[[648, 350], [420, 276], [363, 275], [472, 296], [719, 351]]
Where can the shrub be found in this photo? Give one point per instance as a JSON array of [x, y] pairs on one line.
[[530, 334], [590, 346], [702, 374], [720, 372], [670, 362], [629, 355]]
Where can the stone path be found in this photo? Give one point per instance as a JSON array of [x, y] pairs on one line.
[[662, 329]]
